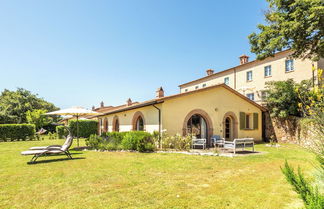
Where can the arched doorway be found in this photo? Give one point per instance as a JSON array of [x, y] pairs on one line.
[[116, 124], [197, 126], [138, 122], [230, 125], [199, 123], [228, 128]]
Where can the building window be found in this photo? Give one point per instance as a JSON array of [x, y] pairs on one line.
[[250, 96], [248, 121], [116, 124], [204, 85], [186, 90], [226, 80], [249, 76], [196, 87], [139, 124], [289, 65], [267, 71], [264, 95]]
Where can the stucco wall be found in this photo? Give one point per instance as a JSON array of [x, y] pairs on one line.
[[125, 119], [216, 102]]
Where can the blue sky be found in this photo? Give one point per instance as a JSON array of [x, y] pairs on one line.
[[79, 53]]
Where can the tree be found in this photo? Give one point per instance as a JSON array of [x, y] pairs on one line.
[[38, 118], [282, 99], [15, 104], [291, 24]]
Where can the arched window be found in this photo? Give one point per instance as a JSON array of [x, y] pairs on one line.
[[105, 129], [197, 126], [139, 124], [116, 124]]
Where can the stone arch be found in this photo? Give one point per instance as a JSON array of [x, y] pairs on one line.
[[135, 118], [206, 117], [234, 120], [115, 124]]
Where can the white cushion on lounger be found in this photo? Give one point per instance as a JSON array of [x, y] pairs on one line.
[[33, 152], [51, 146]]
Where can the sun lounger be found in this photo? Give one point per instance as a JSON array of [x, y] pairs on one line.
[[51, 150], [53, 146]]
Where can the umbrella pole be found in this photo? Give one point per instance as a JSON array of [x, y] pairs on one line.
[[77, 129]]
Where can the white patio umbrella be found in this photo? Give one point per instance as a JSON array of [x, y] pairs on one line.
[[75, 112]]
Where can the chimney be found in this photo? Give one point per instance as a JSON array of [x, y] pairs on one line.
[[102, 104], [129, 102], [244, 59], [93, 107], [159, 92], [210, 72]]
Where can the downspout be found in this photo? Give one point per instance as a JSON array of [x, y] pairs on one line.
[[159, 110]]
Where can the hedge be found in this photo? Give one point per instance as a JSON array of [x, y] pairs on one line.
[[61, 132], [11, 132], [86, 127]]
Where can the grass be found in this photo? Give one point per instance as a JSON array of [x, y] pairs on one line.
[[142, 180]]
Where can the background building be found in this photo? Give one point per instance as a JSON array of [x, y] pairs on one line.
[[249, 78]]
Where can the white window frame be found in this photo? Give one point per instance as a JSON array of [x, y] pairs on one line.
[[250, 94], [267, 71], [226, 80], [249, 78], [289, 65]]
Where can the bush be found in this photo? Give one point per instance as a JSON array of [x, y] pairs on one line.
[[86, 127], [138, 140], [176, 142], [114, 137], [61, 132], [312, 198], [94, 141], [17, 132], [135, 140]]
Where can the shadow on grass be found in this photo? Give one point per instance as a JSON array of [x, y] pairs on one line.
[[55, 160]]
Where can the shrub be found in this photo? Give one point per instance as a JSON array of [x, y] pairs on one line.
[[138, 140], [176, 142], [17, 132], [312, 198], [114, 137], [86, 127], [94, 141], [61, 132], [135, 140]]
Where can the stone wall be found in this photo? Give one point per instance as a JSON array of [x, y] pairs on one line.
[[282, 130]]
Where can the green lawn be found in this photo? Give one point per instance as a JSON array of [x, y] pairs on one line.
[[141, 180]]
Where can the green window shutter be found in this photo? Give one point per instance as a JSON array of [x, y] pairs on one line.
[[242, 120], [255, 120]]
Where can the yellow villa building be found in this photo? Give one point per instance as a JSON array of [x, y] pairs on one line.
[[214, 110], [226, 103]]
